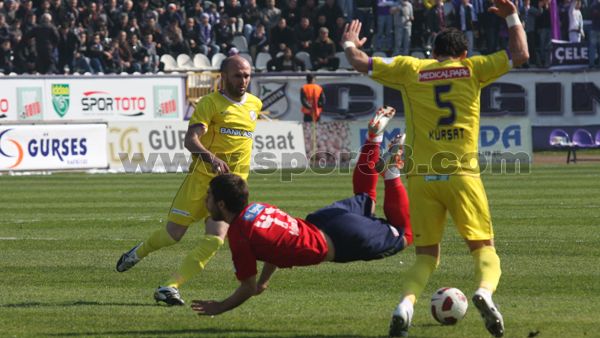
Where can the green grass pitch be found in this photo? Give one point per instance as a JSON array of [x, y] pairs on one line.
[[61, 235]]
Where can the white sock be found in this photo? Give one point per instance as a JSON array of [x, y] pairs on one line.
[[375, 139], [407, 305], [391, 173], [485, 293]]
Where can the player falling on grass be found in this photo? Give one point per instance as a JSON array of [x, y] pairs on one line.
[[344, 231], [219, 136], [441, 101]]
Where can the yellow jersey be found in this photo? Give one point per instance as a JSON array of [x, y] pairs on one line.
[[229, 130], [441, 105]]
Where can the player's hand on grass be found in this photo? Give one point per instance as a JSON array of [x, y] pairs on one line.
[[503, 8], [206, 307], [261, 287], [352, 33]]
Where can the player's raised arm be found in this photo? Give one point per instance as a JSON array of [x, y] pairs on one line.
[[246, 290], [517, 40], [352, 43]]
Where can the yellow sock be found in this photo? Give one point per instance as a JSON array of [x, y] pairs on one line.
[[196, 260], [487, 267], [418, 275], [159, 239]]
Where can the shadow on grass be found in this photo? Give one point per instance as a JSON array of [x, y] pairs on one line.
[[248, 333], [76, 303]]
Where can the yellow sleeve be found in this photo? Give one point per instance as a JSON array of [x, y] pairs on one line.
[[391, 70], [488, 68], [204, 112]]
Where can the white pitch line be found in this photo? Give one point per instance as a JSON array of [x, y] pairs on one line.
[[57, 239]]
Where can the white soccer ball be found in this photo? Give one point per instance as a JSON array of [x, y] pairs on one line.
[[448, 305]]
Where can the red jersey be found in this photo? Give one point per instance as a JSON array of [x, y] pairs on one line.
[[263, 232]]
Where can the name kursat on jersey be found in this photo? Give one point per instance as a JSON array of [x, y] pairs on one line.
[[447, 134]]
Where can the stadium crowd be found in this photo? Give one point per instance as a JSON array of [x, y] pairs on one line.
[[114, 36]]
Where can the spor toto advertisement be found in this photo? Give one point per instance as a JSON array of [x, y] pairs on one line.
[[97, 99], [49, 147]]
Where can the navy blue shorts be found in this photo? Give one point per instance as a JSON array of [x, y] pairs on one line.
[[356, 234]]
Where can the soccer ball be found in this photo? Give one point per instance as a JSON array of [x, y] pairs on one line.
[[448, 305]]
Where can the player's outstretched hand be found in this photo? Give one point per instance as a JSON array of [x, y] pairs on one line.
[[206, 307], [503, 8], [352, 33]]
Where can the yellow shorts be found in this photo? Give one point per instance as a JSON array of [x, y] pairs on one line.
[[462, 196], [189, 203]]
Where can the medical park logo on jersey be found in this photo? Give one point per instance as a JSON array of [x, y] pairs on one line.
[[165, 102], [11, 151], [61, 98], [273, 97]]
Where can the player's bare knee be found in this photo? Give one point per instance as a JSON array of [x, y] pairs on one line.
[[176, 231], [216, 228]]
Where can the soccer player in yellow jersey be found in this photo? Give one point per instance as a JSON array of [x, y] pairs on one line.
[[441, 102], [219, 136]]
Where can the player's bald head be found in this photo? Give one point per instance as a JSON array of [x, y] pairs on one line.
[[234, 62]]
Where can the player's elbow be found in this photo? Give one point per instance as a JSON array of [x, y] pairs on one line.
[[520, 58]]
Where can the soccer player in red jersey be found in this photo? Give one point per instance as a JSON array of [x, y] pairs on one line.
[[344, 231]]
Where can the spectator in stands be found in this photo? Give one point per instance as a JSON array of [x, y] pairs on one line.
[[286, 62], [270, 14], [213, 14], [4, 28], [234, 25], [252, 17], [143, 11], [133, 28], [384, 25], [594, 33], [281, 37], [68, 43], [309, 10], [291, 13], [172, 13], [27, 25], [127, 62], [25, 10], [465, 23], [46, 38], [576, 33], [528, 16], [543, 24], [6, 57], [153, 58], [224, 35], [436, 20], [323, 52], [206, 40], [258, 41], [174, 39], [402, 14], [491, 24], [26, 56], [336, 35], [347, 7], [97, 54], [140, 57], [331, 11], [82, 61], [234, 10], [152, 27], [191, 30], [304, 35]]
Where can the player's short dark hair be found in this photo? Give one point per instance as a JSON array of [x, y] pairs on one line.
[[232, 190], [450, 42], [309, 78]]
